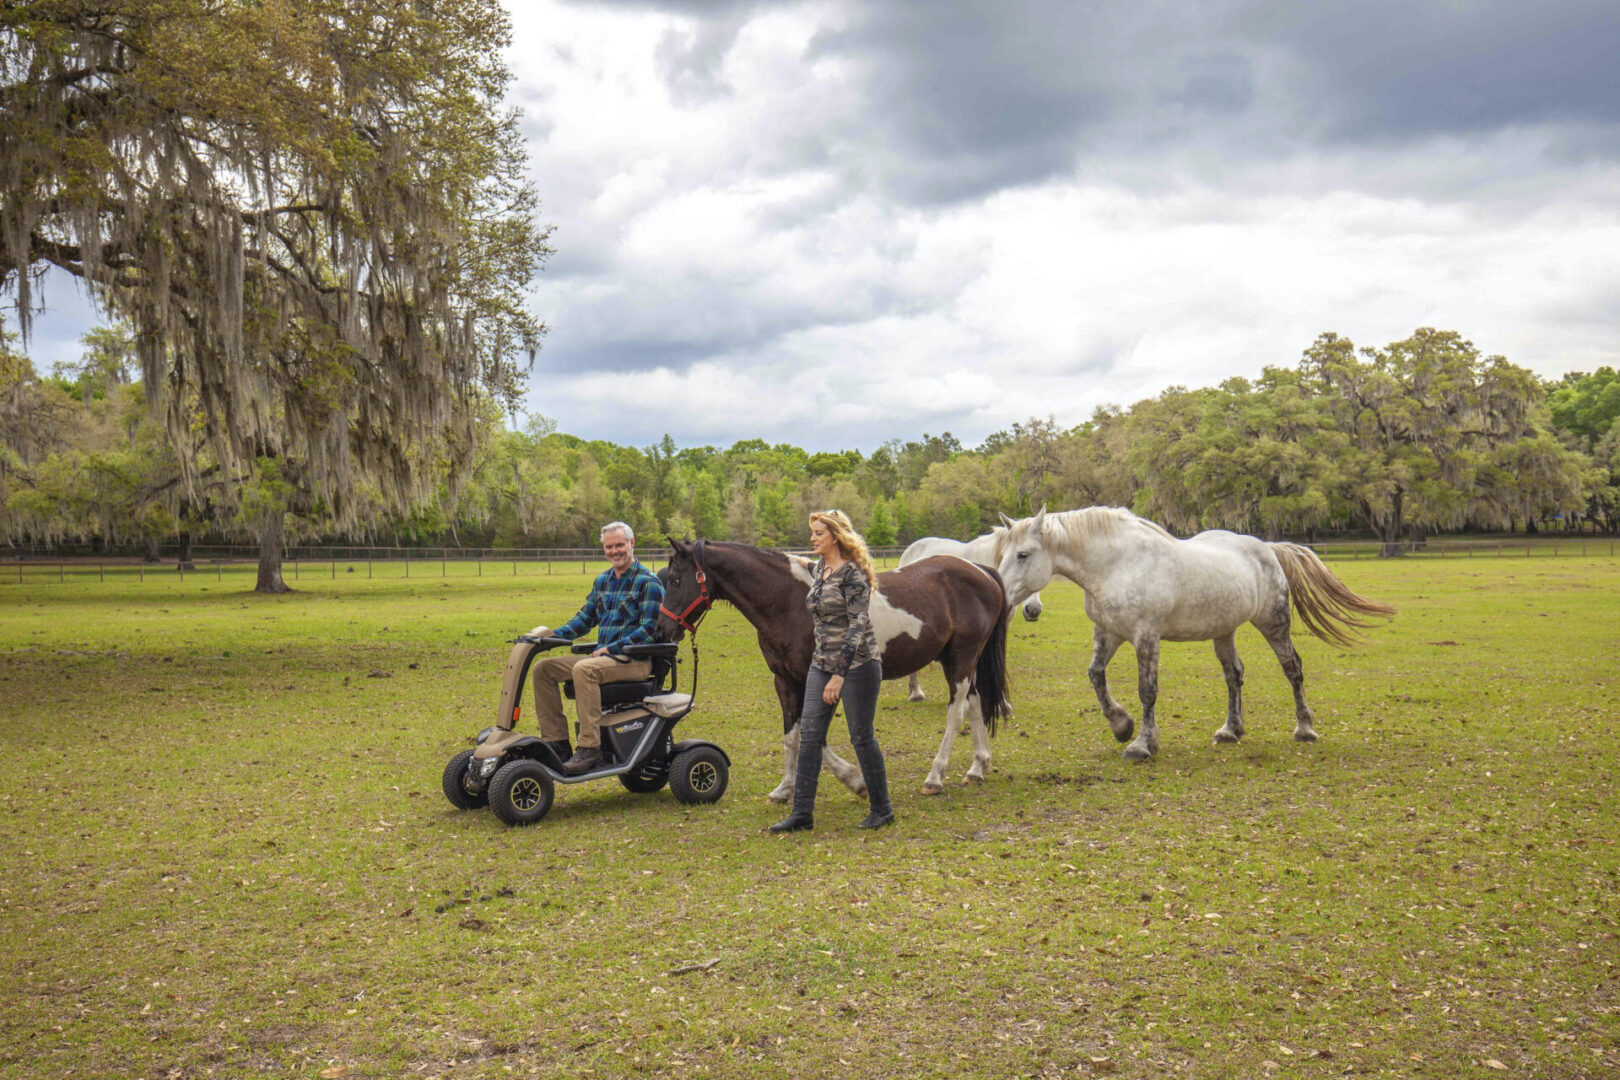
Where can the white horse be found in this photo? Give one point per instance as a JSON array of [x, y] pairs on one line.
[[981, 550], [1142, 585]]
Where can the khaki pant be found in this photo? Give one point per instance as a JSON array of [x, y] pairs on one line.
[[588, 673]]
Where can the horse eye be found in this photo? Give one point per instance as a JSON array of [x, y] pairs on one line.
[[1023, 554]]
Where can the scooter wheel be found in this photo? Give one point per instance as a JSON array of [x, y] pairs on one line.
[[645, 782], [520, 792], [698, 775], [456, 788]]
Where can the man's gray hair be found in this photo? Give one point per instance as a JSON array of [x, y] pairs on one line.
[[618, 526]]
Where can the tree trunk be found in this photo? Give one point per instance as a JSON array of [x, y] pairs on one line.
[[152, 550], [1390, 531], [272, 539], [185, 551]]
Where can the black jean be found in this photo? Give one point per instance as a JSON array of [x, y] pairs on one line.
[[859, 696]]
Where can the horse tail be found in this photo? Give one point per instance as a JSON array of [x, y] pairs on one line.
[[990, 677], [1326, 605]]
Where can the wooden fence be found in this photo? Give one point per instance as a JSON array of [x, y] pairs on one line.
[[308, 563]]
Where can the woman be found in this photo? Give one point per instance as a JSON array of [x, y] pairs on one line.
[[845, 667]]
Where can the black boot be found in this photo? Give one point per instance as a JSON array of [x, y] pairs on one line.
[[561, 748], [794, 822], [877, 785], [804, 789]]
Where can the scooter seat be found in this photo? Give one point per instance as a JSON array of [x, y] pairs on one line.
[[668, 705], [628, 693]]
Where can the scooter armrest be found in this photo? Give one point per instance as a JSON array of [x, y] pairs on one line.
[[653, 650], [548, 641]]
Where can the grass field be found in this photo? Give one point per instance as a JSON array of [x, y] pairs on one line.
[[226, 854]]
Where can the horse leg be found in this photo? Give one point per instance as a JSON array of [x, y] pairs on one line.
[[981, 740], [916, 691], [1283, 645], [791, 696], [1105, 645], [847, 772], [783, 792], [1232, 667], [1146, 743], [953, 722]]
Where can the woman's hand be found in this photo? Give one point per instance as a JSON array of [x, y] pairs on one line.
[[834, 687]]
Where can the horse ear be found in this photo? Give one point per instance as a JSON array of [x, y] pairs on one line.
[[1005, 520], [1039, 521], [676, 544]]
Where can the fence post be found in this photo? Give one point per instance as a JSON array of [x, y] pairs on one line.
[[334, 569], [104, 573], [219, 574], [368, 569], [407, 562]]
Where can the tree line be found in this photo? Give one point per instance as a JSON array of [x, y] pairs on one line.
[[1422, 435], [308, 226]]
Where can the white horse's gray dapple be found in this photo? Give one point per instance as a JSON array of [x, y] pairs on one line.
[[1144, 586], [981, 550]]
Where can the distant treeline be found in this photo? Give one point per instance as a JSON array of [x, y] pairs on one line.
[[1422, 435]]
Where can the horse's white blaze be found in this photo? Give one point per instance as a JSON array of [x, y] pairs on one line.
[[890, 622]]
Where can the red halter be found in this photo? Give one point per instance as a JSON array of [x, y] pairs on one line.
[[700, 603]]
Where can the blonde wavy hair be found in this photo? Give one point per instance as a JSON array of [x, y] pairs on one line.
[[849, 541]]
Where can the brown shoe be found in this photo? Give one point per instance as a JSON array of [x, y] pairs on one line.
[[584, 760]]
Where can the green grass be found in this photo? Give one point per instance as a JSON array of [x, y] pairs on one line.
[[225, 853]]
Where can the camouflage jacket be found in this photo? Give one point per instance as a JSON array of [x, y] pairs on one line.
[[839, 605]]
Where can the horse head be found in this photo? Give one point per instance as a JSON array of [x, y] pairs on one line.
[[1022, 559], [686, 590]]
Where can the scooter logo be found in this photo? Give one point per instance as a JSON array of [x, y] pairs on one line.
[[633, 726]]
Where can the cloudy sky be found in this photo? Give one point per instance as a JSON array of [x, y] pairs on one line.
[[834, 223]]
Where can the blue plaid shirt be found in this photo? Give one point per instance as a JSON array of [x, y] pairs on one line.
[[624, 609]]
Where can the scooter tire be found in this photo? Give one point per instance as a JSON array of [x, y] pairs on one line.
[[520, 792], [698, 775], [456, 789]]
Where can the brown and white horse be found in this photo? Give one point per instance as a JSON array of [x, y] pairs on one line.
[[941, 609]]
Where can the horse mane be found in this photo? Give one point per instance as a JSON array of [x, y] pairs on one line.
[[1102, 523]]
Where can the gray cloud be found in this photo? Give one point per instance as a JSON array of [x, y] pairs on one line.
[[958, 98]]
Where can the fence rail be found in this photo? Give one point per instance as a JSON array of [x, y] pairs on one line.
[[313, 564]]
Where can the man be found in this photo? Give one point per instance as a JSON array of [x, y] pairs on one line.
[[623, 606]]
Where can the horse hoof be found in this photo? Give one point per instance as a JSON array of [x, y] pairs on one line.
[[1304, 735], [1137, 752], [971, 779], [918, 696], [1124, 734], [1227, 735], [933, 789], [778, 797]]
